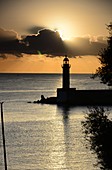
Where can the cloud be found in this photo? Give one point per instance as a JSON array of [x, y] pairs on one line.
[[48, 42], [3, 56], [34, 29], [7, 34], [80, 46], [102, 39], [9, 43]]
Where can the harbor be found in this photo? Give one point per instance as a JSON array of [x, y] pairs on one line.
[[72, 96]]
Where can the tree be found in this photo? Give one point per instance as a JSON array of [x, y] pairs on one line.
[[97, 128], [105, 57]]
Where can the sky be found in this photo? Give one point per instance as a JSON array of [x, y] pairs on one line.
[[36, 34]]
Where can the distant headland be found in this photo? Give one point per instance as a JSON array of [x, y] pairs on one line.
[[71, 96]]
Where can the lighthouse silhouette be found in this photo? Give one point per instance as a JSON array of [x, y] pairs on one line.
[[70, 96], [66, 75], [65, 93]]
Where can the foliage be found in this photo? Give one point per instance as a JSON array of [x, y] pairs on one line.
[[105, 58], [98, 131]]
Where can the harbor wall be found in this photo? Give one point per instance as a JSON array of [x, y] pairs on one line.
[[84, 97]]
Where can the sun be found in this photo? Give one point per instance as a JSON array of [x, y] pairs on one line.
[[64, 34]]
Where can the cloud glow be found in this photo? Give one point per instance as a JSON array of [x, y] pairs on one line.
[[64, 34], [52, 28]]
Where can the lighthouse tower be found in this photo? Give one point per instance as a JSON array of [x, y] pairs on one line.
[[66, 75], [65, 94]]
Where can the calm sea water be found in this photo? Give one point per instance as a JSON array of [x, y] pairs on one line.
[[40, 136]]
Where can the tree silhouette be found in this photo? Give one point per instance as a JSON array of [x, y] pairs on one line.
[[105, 57], [98, 131]]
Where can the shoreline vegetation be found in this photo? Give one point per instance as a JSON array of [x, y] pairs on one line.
[[97, 129]]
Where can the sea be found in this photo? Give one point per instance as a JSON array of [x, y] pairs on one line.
[[44, 136]]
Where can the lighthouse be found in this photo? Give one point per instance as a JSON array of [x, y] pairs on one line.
[[66, 73], [65, 94]]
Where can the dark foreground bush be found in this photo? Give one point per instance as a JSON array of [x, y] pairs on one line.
[[98, 131]]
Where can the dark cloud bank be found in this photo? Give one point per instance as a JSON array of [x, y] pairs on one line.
[[47, 42]]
